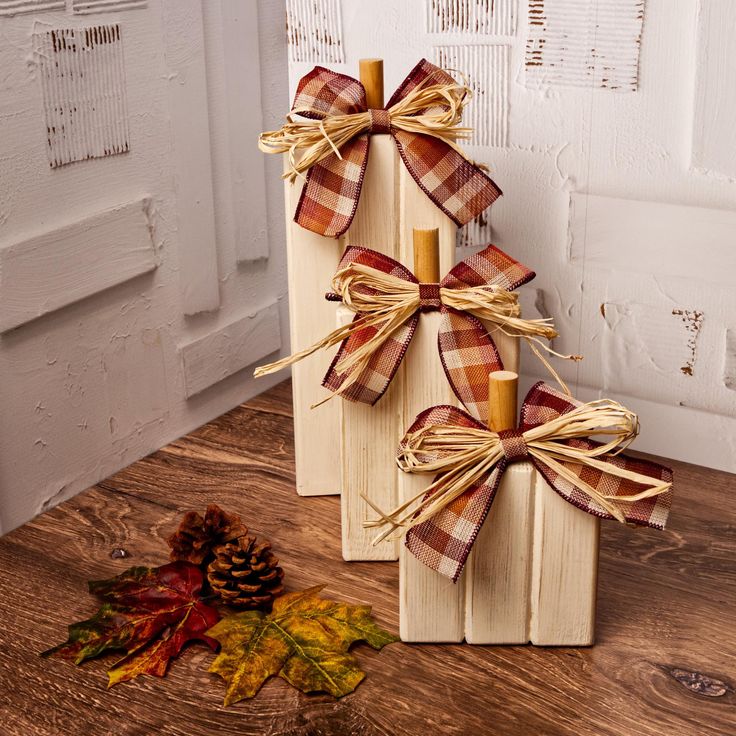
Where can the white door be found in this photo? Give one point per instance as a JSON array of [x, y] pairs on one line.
[[141, 272]]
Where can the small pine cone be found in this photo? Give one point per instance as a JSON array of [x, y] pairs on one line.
[[245, 574], [195, 539]]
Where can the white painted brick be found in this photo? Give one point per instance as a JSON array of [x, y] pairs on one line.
[[314, 31], [584, 43]]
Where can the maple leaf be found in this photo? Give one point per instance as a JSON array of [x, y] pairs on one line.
[[150, 613], [305, 639]]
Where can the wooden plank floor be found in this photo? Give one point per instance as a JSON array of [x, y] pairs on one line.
[[664, 662]]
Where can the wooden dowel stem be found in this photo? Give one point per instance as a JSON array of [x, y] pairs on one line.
[[371, 77], [427, 255], [502, 390]]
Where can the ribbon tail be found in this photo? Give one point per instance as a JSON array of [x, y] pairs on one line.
[[331, 192], [444, 541], [368, 384], [468, 354], [458, 187]]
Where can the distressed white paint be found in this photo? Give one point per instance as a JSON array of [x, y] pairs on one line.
[[714, 134], [636, 146], [93, 386], [222, 353], [584, 43], [74, 261], [312, 261], [496, 17], [487, 70], [85, 102], [729, 359], [564, 575], [477, 233], [314, 31], [187, 75]]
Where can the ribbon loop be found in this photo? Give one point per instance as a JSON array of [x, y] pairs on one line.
[[380, 121], [331, 145], [513, 445], [429, 297]]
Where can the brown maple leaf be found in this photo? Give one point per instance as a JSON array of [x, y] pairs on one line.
[[150, 613], [305, 640]]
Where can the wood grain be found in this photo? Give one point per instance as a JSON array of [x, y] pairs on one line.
[[311, 262], [663, 663], [240, 343], [368, 434]]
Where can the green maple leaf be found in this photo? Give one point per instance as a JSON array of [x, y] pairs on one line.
[[149, 613], [305, 639]]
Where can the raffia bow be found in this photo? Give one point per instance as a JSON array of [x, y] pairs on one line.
[[387, 299], [469, 461], [331, 144]]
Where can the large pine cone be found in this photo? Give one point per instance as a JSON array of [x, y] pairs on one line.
[[245, 573], [195, 539]]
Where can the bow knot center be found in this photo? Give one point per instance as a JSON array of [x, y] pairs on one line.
[[429, 297], [513, 445], [380, 121]]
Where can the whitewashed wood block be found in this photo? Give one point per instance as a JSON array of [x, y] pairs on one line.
[[311, 263], [532, 574], [564, 571], [368, 446], [498, 570], [433, 608]]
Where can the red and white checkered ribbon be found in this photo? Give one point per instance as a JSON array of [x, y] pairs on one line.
[[388, 300], [463, 342], [330, 195], [469, 461]]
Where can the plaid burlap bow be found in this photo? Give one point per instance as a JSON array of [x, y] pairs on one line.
[[469, 461], [423, 116], [388, 299]]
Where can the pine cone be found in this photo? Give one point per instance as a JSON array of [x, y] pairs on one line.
[[245, 573], [196, 537]]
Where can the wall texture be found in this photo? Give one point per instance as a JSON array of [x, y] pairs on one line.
[[142, 264], [609, 126]]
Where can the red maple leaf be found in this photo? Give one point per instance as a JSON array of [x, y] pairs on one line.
[[150, 613]]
